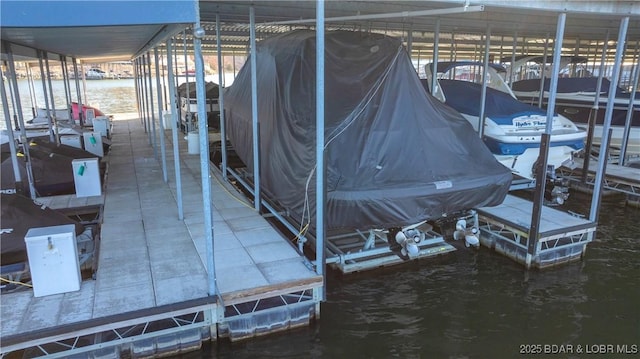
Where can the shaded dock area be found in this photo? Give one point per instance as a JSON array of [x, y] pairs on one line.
[[150, 292]]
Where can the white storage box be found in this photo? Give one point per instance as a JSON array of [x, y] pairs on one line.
[[86, 177], [93, 143], [101, 124], [71, 140], [53, 259]]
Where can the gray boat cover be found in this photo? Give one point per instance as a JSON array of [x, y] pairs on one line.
[[395, 155]]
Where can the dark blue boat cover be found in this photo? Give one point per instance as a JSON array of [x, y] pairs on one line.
[[394, 154], [19, 214], [465, 96], [573, 84]]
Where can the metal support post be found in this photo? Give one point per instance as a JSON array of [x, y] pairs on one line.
[[436, 45], [593, 114], [12, 141], [152, 114], [483, 91], [254, 110], [174, 129], [43, 78], [223, 130], [53, 102], [80, 106], [604, 146], [23, 132], [627, 124], [198, 35], [163, 156], [320, 147], [541, 169]]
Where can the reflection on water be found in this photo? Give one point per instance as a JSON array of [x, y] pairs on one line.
[[475, 304], [109, 96]]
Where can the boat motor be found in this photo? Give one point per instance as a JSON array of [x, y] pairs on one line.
[[556, 190], [470, 235], [404, 241], [408, 239]]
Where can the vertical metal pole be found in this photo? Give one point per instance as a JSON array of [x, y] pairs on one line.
[[23, 132], [13, 104], [53, 102], [254, 111], [534, 229], [147, 91], [627, 124], [174, 129], [454, 55], [143, 96], [223, 131], [513, 59], [84, 85], [593, 114], [12, 141], [67, 87], [198, 34], [410, 41], [576, 53], [483, 93], [434, 70], [602, 160], [163, 155], [151, 111], [320, 159], [80, 112], [43, 78], [164, 81], [187, 114], [32, 90], [137, 87], [542, 72]]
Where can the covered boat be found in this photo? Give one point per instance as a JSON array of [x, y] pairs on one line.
[[51, 166], [575, 98], [512, 129], [188, 105], [395, 156]]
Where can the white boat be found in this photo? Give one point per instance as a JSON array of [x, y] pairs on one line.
[[512, 129], [575, 99], [95, 74]]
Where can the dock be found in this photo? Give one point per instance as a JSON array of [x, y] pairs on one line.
[[618, 178], [562, 237], [150, 296]]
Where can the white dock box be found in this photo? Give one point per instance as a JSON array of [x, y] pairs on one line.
[[86, 177], [71, 140], [93, 143], [101, 124], [53, 259]]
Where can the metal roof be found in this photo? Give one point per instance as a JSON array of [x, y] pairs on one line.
[[101, 30]]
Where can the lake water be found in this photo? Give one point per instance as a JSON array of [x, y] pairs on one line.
[[467, 304], [478, 304], [109, 96]]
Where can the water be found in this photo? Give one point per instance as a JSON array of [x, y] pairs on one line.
[[477, 304], [109, 96], [468, 304]]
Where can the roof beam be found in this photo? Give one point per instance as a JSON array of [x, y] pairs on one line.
[[391, 15]]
